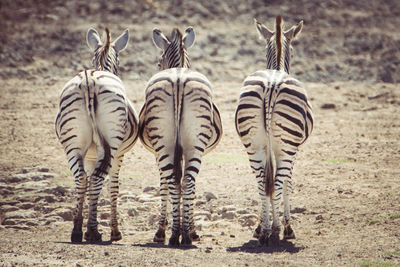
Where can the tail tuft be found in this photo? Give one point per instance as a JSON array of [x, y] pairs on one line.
[[269, 177], [178, 163]]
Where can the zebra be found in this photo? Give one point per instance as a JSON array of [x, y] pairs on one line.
[[273, 118], [178, 122], [96, 125]]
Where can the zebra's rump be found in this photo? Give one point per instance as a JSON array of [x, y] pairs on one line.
[[272, 102], [93, 105], [179, 105]]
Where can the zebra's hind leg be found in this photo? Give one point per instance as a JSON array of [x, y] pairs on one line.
[[175, 192], [192, 167], [159, 237], [114, 191], [81, 185], [288, 232], [103, 164]]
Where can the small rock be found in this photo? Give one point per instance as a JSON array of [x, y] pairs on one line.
[[65, 213], [242, 211], [209, 196], [208, 250], [129, 198], [199, 203], [328, 106], [298, 210], [248, 220], [105, 216], [43, 169], [149, 188], [104, 202], [318, 217], [254, 203], [20, 214], [9, 208], [228, 215], [104, 223], [203, 213], [26, 206], [133, 212]]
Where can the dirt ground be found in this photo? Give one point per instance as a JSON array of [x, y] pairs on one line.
[[346, 199]]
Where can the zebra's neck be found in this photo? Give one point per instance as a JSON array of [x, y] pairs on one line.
[[175, 56], [106, 59], [278, 54]]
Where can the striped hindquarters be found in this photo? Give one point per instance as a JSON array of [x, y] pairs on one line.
[[94, 110], [273, 101], [178, 106]]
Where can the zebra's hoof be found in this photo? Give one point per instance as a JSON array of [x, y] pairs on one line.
[[76, 236], [174, 240], [115, 235], [264, 238], [274, 238], [194, 236], [257, 232], [186, 240], [288, 233], [159, 237], [93, 236]]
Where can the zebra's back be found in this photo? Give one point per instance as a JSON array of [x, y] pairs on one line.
[[272, 102]]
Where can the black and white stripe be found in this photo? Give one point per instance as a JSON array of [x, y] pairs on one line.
[[179, 123], [97, 125], [273, 118]]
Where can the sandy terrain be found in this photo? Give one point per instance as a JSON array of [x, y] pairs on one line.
[[346, 200]]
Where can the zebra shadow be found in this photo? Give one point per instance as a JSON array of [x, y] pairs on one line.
[[254, 247], [161, 245], [102, 243]]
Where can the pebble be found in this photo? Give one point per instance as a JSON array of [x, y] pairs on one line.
[[248, 220], [209, 196], [133, 212], [65, 213], [202, 213], [228, 215]]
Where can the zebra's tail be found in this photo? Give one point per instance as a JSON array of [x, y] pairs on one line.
[[269, 179], [178, 162], [91, 105], [269, 172]]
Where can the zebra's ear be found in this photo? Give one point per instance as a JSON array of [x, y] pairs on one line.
[[294, 31], [122, 41], [93, 39], [160, 40], [263, 31], [188, 39]]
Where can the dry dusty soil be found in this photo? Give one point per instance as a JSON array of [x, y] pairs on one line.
[[346, 199]]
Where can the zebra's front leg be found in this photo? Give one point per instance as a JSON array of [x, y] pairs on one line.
[[192, 167], [114, 192], [159, 237]]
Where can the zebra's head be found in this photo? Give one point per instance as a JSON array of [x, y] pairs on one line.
[[106, 55], [278, 43], [174, 48]]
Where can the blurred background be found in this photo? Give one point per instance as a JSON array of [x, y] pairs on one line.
[[342, 40]]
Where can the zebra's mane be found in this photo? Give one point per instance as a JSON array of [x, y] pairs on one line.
[[176, 54], [278, 49], [105, 57]]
